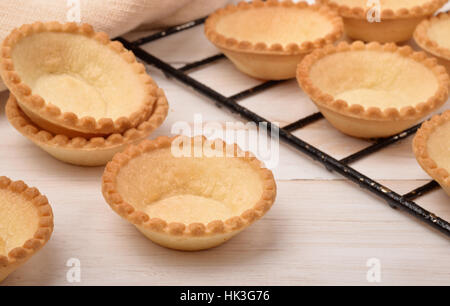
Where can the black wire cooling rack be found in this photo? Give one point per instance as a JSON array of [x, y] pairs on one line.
[[394, 199]]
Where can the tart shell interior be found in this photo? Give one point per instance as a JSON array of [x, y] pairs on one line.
[[438, 146], [78, 74], [374, 79], [273, 25], [26, 224], [18, 221], [385, 4], [433, 35], [189, 190], [431, 147]]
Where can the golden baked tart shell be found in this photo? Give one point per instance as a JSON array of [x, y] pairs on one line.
[[364, 90], [69, 79], [266, 40], [26, 221], [431, 146], [433, 35], [398, 18], [190, 201], [80, 151]]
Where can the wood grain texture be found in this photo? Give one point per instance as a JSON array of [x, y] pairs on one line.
[[309, 237], [321, 230]]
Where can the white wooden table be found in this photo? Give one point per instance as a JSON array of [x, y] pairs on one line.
[[321, 230]]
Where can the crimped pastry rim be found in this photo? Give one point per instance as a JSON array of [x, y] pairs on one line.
[[37, 104], [424, 41], [374, 113], [30, 130], [293, 48], [420, 148], [357, 12], [215, 227], [45, 224]]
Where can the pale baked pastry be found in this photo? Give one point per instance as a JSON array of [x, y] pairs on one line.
[[433, 35], [372, 90], [71, 80], [267, 40], [432, 149], [26, 224], [188, 202], [80, 151], [398, 18]]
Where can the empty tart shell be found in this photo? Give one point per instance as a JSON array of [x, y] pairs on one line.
[[26, 224], [267, 40], [397, 19], [182, 197], [80, 151], [373, 90], [433, 35], [71, 80], [432, 149]]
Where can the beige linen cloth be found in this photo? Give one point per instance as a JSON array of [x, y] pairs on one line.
[[114, 17]]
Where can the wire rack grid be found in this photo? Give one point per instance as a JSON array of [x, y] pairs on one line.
[[405, 202]]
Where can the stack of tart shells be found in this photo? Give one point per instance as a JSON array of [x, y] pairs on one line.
[[78, 139]]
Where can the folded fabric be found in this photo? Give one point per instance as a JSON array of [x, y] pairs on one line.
[[111, 16]]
